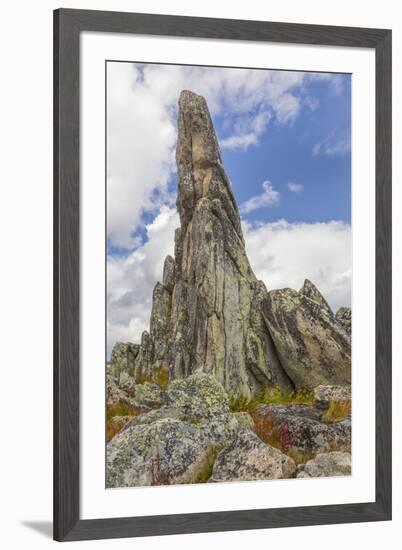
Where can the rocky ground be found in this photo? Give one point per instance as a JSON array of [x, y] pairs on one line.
[[190, 432]]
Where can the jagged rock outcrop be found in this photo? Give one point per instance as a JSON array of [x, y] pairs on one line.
[[312, 347], [210, 313], [206, 314], [311, 291], [344, 317], [123, 359]]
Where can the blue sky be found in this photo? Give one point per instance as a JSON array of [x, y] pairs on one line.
[[285, 140], [285, 155]]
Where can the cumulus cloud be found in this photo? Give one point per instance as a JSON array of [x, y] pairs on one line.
[[295, 187], [130, 280], [268, 197], [283, 254], [240, 141], [141, 127]]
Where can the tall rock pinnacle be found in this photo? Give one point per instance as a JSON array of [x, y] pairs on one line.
[[216, 320], [210, 313]]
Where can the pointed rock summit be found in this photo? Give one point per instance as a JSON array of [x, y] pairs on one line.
[[210, 313]]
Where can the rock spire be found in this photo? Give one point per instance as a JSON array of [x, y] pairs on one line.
[[210, 313]]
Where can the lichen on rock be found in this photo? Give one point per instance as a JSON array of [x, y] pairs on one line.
[[248, 458], [327, 465]]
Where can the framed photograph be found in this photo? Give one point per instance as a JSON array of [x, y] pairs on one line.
[[222, 275]]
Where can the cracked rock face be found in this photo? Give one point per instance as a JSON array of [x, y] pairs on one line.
[[248, 458], [312, 347], [206, 314], [217, 323], [165, 451], [344, 317], [210, 314]]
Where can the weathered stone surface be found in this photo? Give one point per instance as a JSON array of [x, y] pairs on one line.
[[215, 323], [245, 420], [210, 313], [248, 458], [127, 384], [150, 395], [123, 358], [198, 396], [344, 318], [311, 291], [323, 395], [169, 273], [300, 432], [144, 359], [312, 347], [119, 401], [160, 327], [166, 451], [327, 465]]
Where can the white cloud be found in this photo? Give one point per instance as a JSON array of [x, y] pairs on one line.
[[295, 187], [240, 141], [248, 130], [339, 147], [283, 254], [142, 111], [269, 197], [130, 280], [332, 147]]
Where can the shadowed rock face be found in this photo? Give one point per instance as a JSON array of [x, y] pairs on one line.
[[312, 346], [210, 313]]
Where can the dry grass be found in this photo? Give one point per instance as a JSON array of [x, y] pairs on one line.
[[337, 411], [265, 429], [159, 376], [117, 415], [114, 425], [270, 396]]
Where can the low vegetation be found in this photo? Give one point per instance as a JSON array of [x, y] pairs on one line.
[[117, 415], [270, 396], [159, 376], [114, 425], [337, 411]]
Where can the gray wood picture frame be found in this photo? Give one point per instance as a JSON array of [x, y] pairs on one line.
[[68, 24]]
